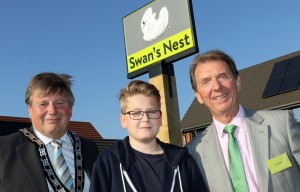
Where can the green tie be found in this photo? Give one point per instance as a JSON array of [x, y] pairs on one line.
[[236, 169]]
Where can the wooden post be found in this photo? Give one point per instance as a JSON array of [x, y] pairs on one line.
[[162, 76]]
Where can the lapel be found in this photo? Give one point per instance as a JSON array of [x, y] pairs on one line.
[[28, 154], [259, 141], [213, 159], [88, 160]]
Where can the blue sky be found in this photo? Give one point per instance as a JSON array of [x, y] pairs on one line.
[[85, 40]]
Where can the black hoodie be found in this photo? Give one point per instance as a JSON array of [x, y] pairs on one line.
[[115, 170]]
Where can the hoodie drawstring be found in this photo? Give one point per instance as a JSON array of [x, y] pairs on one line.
[[174, 179], [124, 187], [124, 173], [180, 182]]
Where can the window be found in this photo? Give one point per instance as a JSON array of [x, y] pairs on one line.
[[296, 112]]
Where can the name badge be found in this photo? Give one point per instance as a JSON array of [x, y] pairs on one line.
[[278, 163]]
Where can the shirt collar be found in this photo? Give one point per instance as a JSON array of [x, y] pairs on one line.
[[46, 140], [237, 120]]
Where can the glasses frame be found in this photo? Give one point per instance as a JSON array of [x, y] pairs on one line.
[[143, 113]]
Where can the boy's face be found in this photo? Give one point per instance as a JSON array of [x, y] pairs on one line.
[[145, 129]]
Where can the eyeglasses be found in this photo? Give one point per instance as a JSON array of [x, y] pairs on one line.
[[137, 115]]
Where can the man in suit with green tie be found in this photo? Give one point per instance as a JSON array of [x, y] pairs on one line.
[[243, 149]]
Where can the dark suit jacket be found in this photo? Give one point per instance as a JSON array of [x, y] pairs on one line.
[[271, 133], [20, 165]]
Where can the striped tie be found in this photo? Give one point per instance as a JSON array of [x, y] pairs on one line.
[[60, 165]]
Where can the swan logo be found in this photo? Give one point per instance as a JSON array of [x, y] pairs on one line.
[[153, 28]]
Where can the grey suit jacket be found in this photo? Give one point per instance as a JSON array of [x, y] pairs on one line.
[[271, 133], [20, 165]]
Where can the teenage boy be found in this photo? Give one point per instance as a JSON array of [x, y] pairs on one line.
[[141, 162]]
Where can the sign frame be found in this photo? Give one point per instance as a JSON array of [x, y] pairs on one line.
[[176, 42]]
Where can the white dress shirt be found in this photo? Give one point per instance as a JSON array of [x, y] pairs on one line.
[[67, 150]]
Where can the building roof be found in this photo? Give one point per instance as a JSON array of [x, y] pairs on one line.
[[253, 83], [83, 129], [9, 125], [104, 143]]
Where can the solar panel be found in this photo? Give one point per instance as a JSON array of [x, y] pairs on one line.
[[273, 87], [294, 65], [280, 68], [285, 77], [290, 82]]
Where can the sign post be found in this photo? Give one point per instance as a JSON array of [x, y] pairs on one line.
[[157, 35], [162, 76]]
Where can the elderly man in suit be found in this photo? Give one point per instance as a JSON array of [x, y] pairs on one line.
[[46, 156], [257, 150]]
